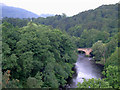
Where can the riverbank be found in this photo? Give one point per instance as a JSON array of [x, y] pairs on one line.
[[100, 62]]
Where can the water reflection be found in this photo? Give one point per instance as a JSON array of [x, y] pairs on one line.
[[85, 68]]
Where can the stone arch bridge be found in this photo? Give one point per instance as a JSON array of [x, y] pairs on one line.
[[86, 50]]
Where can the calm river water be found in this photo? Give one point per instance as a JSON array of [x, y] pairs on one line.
[[85, 68]]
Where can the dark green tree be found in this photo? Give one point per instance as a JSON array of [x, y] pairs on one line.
[[99, 50]]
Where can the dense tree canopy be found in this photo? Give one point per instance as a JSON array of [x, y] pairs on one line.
[[90, 26], [94, 83], [37, 48]]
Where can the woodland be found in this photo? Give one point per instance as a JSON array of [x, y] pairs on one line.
[[41, 52]]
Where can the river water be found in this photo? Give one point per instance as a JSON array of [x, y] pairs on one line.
[[86, 68]]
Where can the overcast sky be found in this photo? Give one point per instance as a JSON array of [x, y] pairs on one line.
[[69, 7]]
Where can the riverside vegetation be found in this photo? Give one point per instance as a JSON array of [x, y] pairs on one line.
[[41, 53]]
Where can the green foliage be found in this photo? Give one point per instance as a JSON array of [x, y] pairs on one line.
[[38, 48], [92, 36], [40, 56], [112, 76], [99, 24], [94, 83], [7, 83], [99, 50], [75, 31], [111, 71], [16, 21], [35, 82], [111, 46], [101, 18], [113, 59], [102, 51]]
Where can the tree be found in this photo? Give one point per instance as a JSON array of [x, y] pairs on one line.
[[111, 46], [75, 31], [35, 82], [94, 83], [111, 69], [112, 76], [8, 83], [113, 59], [93, 35], [99, 50], [38, 48]]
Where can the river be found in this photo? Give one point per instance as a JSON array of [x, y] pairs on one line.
[[86, 68]]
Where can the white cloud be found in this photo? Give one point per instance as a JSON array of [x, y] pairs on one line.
[[69, 7]]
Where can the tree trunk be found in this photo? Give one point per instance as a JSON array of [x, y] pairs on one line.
[[104, 57]]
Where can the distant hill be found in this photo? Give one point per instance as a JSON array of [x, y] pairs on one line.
[[13, 12], [46, 15], [103, 16], [102, 20]]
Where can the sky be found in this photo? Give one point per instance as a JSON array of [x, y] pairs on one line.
[[69, 7]]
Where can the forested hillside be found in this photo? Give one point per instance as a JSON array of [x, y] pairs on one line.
[[103, 21], [41, 52], [96, 18], [91, 25]]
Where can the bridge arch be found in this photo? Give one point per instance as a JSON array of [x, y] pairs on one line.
[[86, 50], [83, 52]]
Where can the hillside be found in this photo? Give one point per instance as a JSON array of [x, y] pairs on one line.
[[46, 15], [88, 26], [96, 18], [13, 12]]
